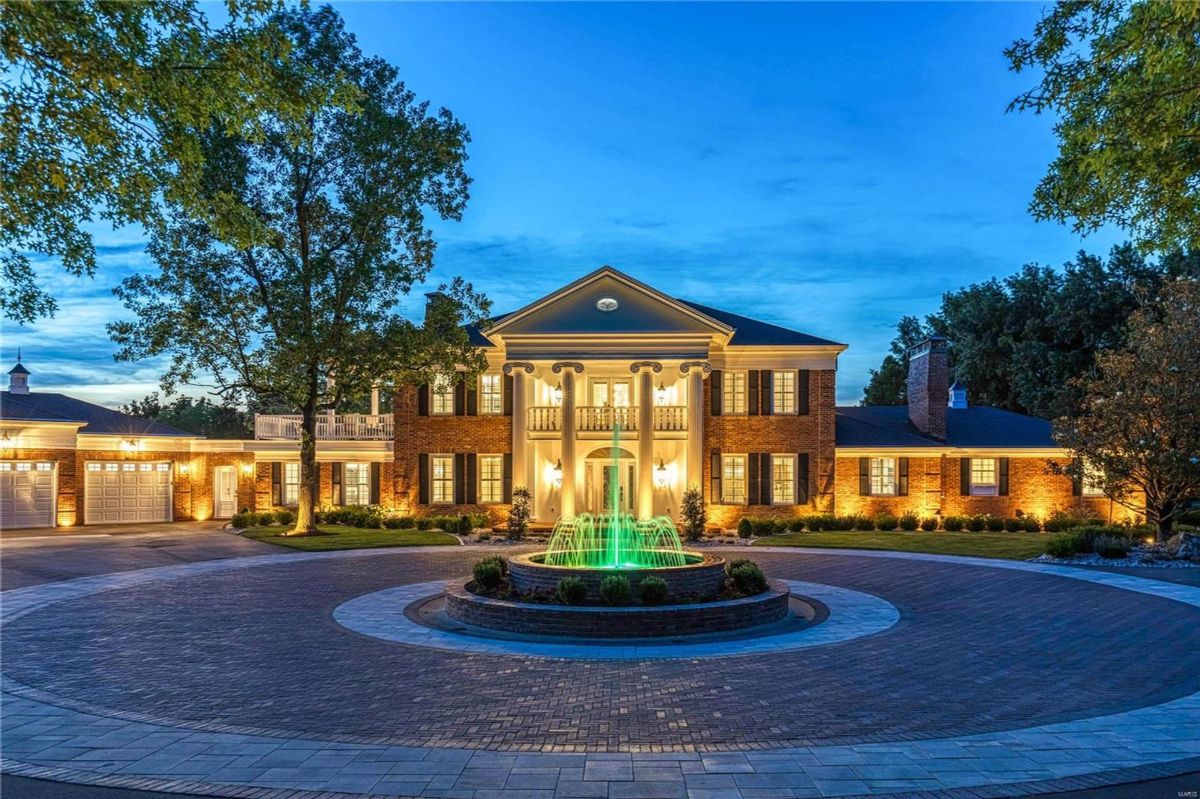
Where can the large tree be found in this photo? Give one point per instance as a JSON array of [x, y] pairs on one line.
[[1138, 426], [200, 416], [288, 287], [1123, 79], [104, 104]]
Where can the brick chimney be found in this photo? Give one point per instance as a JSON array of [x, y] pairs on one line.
[[929, 386]]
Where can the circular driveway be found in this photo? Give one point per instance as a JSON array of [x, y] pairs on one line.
[[250, 647]]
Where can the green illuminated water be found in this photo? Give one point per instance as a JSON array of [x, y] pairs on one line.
[[615, 540]]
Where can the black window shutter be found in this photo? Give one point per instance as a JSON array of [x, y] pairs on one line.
[[508, 395], [802, 478], [802, 392], [423, 478], [1077, 479], [460, 398], [460, 481], [964, 476], [1003, 478], [767, 381], [715, 384], [375, 476], [472, 466], [423, 399], [473, 398], [276, 483], [902, 477], [753, 483], [714, 479], [508, 477], [864, 477], [752, 392], [335, 480], [765, 477]]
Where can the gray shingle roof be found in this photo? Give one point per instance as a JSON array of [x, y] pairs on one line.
[[41, 406], [979, 426]]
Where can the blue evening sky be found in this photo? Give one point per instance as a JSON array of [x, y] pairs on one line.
[[826, 167]]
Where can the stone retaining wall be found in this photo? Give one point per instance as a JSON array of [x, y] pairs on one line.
[[700, 580]]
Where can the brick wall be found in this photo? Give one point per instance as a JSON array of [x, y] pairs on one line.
[[446, 435], [812, 433], [260, 489]]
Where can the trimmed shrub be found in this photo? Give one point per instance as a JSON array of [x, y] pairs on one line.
[[1032, 525], [953, 524], [284, 516], [852, 522], [747, 577], [519, 513], [1064, 545], [1059, 521], [1014, 525], [817, 522], [885, 521], [763, 526], [266, 519], [796, 524], [243, 520], [653, 591], [465, 526], [929, 524], [424, 523], [571, 591], [994, 524], [909, 522], [693, 514], [976, 523], [397, 522], [614, 590], [1109, 546], [500, 561], [745, 527], [487, 574]]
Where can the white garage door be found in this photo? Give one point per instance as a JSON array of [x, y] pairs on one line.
[[26, 494], [127, 491]]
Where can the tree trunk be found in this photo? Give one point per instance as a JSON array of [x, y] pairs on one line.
[[306, 522], [1164, 520]]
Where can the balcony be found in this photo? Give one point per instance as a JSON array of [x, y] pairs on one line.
[[544, 419], [593, 419], [670, 418], [330, 427]]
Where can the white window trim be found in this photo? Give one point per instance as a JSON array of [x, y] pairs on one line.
[[362, 486], [745, 458], [895, 478], [788, 456], [726, 393], [499, 481], [283, 485], [791, 395], [434, 394], [985, 489], [499, 395], [433, 481]]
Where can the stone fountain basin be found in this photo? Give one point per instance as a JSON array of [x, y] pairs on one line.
[[617, 622], [700, 578]]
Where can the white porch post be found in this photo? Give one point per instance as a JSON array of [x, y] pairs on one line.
[[645, 490], [568, 370], [696, 371], [374, 400], [520, 420]]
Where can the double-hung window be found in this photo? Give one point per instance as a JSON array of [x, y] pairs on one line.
[[783, 392], [883, 477], [733, 479], [442, 392], [491, 474], [290, 490], [442, 479], [984, 481], [491, 398], [783, 479], [733, 393], [356, 484]]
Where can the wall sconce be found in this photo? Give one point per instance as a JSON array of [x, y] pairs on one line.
[[247, 468], [558, 474], [660, 395], [660, 474], [182, 468], [556, 395]]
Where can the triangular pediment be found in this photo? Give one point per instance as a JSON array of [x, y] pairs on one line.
[[607, 302]]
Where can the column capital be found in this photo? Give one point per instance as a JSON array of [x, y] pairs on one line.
[[512, 366], [574, 366], [703, 366], [653, 366]]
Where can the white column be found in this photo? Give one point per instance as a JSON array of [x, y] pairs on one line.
[[568, 442], [695, 437], [520, 437], [645, 489], [374, 400]]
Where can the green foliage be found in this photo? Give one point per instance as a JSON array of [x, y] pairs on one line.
[[244, 520], [884, 521], [465, 526], [1014, 525], [762, 526], [284, 516], [317, 229], [854, 521], [202, 417], [614, 590], [519, 513], [487, 574], [652, 591], [929, 524], [1064, 545], [693, 513], [953, 524], [909, 522], [1059, 521], [1190, 518], [500, 561], [1092, 537], [1123, 81], [424, 523], [266, 518], [1113, 547], [976, 523], [795, 524], [393, 522], [888, 385], [747, 577], [571, 591], [993, 524], [745, 527]]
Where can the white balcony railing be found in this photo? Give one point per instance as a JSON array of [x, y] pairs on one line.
[[544, 419], [330, 427], [669, 418], [594, 419]]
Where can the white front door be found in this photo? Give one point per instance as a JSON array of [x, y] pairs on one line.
[[224, 492], [26, 494], [127, 491]]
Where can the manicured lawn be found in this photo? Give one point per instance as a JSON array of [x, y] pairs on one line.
[[1009, 546], [337, 537]]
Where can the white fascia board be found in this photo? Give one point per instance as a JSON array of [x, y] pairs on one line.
[[951, 452], [821, 357], [107, 443]]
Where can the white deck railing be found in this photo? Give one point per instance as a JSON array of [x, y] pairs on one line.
[[330, 427], [593, 419], [670, 417], [544, 419]]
